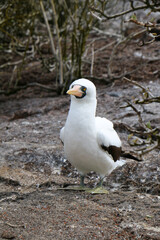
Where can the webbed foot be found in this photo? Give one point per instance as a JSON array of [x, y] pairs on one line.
[[97, 190]]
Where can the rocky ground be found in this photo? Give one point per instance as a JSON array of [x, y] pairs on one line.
[[33, 168]]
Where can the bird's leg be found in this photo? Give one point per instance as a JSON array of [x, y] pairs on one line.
[[80, 187], [82, 181], [99, 188], [100, 182]]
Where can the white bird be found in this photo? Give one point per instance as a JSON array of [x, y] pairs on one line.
[[90, 142]]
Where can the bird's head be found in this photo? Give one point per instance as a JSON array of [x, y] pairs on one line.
[[82, 89]]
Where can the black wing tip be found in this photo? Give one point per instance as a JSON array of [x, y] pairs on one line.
[[130, 156], [114, 151]]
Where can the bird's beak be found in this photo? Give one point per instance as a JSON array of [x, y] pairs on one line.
[[76, 91]]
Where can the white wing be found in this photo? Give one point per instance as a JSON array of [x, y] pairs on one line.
[[106, 135], [109, 140]]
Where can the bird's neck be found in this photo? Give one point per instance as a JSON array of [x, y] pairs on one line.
[[82, 112]]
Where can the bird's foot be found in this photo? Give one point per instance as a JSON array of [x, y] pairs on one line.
[[97, 190]]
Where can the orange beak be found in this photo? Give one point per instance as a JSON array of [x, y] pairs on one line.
[[76, 91]]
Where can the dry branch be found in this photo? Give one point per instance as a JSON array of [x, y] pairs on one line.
[[154, 7], [129, 104], [92, 60], [149, 149], [33, 84], [138, 85], [137, 132], [151, 28], [148, 100], [49, 31], [119, 42], [152, 134], [15, 225], [59, 43]]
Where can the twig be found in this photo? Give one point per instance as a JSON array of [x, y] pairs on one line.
[[13, 197], [59, 43], [113, 77], [151, 133], [138, 85], [16, 89], [49, 30], [41, 86], [110, 79], [14, 226], [138, 114], [125, 40], [99, 50], [148, 24], [10, 64], [15, 63], [125, 12], [94, 15], [107, 33], [12, 76], [142, 133], [151, 28], [147, 150], [92, 60], [69, 13], [150, 59], [148, 100], [72, 19]]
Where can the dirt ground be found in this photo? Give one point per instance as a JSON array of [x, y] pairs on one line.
[[32, 165]]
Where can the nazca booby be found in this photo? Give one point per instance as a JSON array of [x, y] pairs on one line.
[[90, 142]]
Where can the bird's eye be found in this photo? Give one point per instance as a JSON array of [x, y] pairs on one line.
[[83, 89]]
